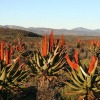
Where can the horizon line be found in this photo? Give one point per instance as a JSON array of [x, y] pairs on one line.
[[49, 27]]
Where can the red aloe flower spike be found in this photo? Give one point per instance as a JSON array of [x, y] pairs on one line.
[[44, 46], [92, 64], [76, 56], [71, 63], [51, 40], [2, 51], [7, 52], [7, 56]]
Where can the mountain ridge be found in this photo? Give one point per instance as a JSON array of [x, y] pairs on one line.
[[42, 30]]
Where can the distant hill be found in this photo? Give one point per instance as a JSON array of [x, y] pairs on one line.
[[41, 30], [11, 31]]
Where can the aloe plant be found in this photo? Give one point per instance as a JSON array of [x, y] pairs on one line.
[[85, 84], [47, 68], [47, 65], [11, 76]]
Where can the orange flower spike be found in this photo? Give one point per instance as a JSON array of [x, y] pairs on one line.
[[2, 51], [92, 64], [78, 40], [71, 63], [74, 65], [76, 56], [44, 46], [67, 58], [91, 42], [51, 40], [7, 56]]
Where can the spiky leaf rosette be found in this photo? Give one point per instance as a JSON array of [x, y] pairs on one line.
[[84, 83], [50, 65], [11, 76]]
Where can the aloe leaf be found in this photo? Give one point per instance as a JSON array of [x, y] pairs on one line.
[[98, 82], [74, 81], [84, 73], [37, 59], [22, 77], [56, 65], [82, 91], [96, 90], [17, 71], [76, 76], [80, 74], [3, 75], [97, 78], [72, 86], [59, 67], [13, 69], [89, 79]]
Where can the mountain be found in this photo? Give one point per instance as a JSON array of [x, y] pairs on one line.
[[41, 30], [14, 32], [13, 27], [81, 29]]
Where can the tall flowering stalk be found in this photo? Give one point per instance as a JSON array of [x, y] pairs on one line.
[[44, 46], [92, 64], [91, 42], [71, 63], [2, 51], [7, 56], [78, 40], [8, 53], [51, 41]]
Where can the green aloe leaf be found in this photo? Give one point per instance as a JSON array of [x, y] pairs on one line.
[[3, 75], [76, 77], [80, 74], [72, 86]]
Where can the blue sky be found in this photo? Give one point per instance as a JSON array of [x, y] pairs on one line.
[[51, 13]]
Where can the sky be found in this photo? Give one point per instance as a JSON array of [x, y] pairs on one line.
[[57, 14]]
